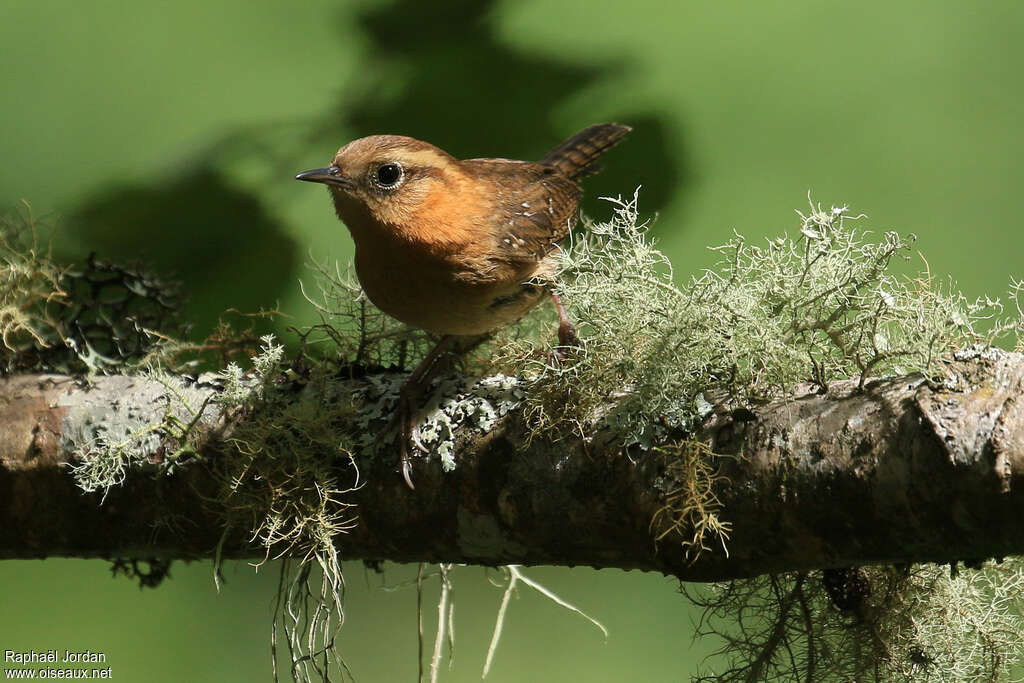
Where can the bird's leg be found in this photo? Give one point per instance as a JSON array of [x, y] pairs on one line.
[[407, 398], [447, 349], [566, 332]]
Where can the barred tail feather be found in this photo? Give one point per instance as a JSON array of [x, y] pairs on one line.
[[576, 156]]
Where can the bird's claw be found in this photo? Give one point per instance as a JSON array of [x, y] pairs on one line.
[[404, 435], [406, 469]]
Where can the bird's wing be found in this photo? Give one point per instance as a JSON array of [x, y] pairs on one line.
[[535, 207]]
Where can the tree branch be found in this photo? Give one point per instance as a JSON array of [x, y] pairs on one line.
[[903, 471]]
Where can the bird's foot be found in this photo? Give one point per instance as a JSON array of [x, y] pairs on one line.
[[402, 428], [404, 436], [567, 337]]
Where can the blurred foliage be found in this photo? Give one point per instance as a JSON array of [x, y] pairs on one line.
[[499, 101], [200, 229]]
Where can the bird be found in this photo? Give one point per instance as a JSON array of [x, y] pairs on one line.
[[456, 247]]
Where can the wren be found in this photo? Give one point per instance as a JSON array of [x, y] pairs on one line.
[[457, 247]]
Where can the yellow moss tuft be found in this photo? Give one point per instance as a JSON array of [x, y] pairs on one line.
[[691, 511]]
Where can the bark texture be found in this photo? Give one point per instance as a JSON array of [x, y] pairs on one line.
[[901, 471]]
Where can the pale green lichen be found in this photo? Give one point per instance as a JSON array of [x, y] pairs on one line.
[[244, 388], [110, 438], [821, 307], [284, 478]]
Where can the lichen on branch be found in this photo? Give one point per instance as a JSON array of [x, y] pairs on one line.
[[822, 306]]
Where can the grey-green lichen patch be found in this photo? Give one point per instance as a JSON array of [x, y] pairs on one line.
[[288, 448], [452, 402], [122, 422], [456, 403]]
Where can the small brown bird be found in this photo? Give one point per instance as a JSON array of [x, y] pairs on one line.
[[457, 247]]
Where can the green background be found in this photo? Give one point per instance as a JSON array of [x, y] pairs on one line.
[[170, 132]]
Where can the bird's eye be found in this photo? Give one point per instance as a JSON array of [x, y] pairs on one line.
[[389, 175]]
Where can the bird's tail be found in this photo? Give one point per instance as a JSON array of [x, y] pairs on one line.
[[577, 156]]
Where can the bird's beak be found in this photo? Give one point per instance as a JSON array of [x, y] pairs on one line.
[[331, 175]]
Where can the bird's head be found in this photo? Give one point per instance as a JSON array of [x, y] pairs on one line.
[[382, 182]]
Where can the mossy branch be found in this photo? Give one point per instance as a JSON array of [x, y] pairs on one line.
[[903, 471], [863, 422]]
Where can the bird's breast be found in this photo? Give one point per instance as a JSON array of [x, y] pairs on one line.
[[438, 296]]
